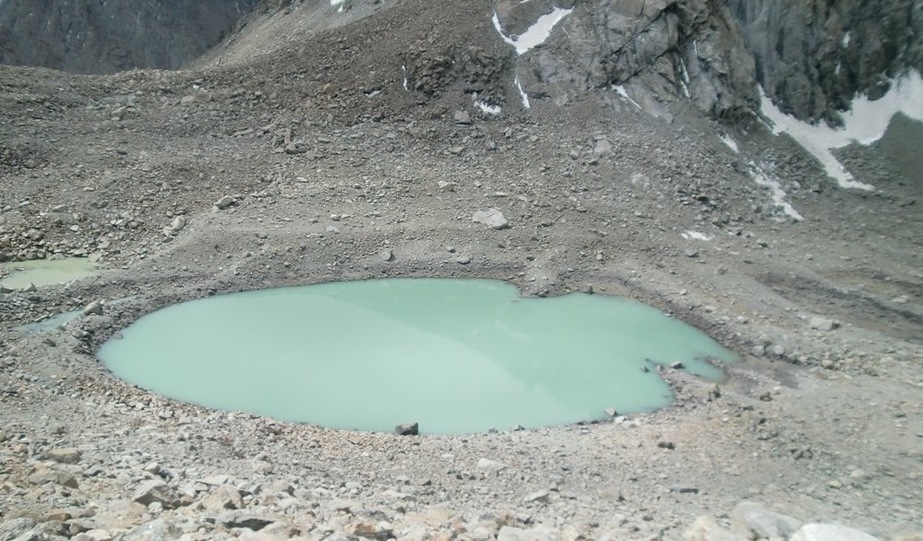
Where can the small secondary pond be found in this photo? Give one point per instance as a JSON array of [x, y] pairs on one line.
[[457, 356], [43, 272]]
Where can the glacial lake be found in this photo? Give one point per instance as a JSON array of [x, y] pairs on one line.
[[454, 355]]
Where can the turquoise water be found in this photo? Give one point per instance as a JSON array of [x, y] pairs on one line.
[[457, 356]]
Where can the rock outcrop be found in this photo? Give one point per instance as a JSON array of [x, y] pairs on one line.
[[813, 56], [663, 49]]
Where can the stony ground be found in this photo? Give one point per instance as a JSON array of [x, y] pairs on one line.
[[292, 170]]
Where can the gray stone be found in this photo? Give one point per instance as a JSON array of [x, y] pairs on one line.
[[753, 518], [156, 530], [11, 529], [491, 465], [57, 477], [538, 496], [706, 528], [830, 532], [380, 531], [178, 224], [387, 255], [603, 146], [243, 520], [407, 429], [65, 455], [225, 202], [540, 533], [462, 117], [157, 491], [822, 324], [492, 218], [222, 498], [94, 308]]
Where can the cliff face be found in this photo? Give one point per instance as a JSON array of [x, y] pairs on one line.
[[105, 36], [661, 49], [813, 56]]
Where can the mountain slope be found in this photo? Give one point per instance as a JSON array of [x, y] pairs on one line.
[[93, 36]]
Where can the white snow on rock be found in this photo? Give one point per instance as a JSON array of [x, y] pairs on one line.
[[730, 142], [695, 235], [864, 123], [488, 108], [536, 34], [404, 72], [624, 93], [522, 94], [775, 190]]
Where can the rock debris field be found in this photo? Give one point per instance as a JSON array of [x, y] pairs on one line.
[[289, 168]]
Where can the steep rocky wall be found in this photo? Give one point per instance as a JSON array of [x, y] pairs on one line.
[[813, 56], [665, 49], [104, 36]]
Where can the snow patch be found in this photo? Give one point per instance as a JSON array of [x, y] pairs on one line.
[[624, 93], [685, 74], [846, 39], [695, 235], [522, 94], [536, 34], [488, 108], [730, 142], [865, 123], [775, 190], [404, 71]]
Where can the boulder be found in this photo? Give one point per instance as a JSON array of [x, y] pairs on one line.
[[157, 491], [706, 528], [753, 519], [155, 530], [492, 218], [407, 429], [66, 455], [539, 533], [830, 532]]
